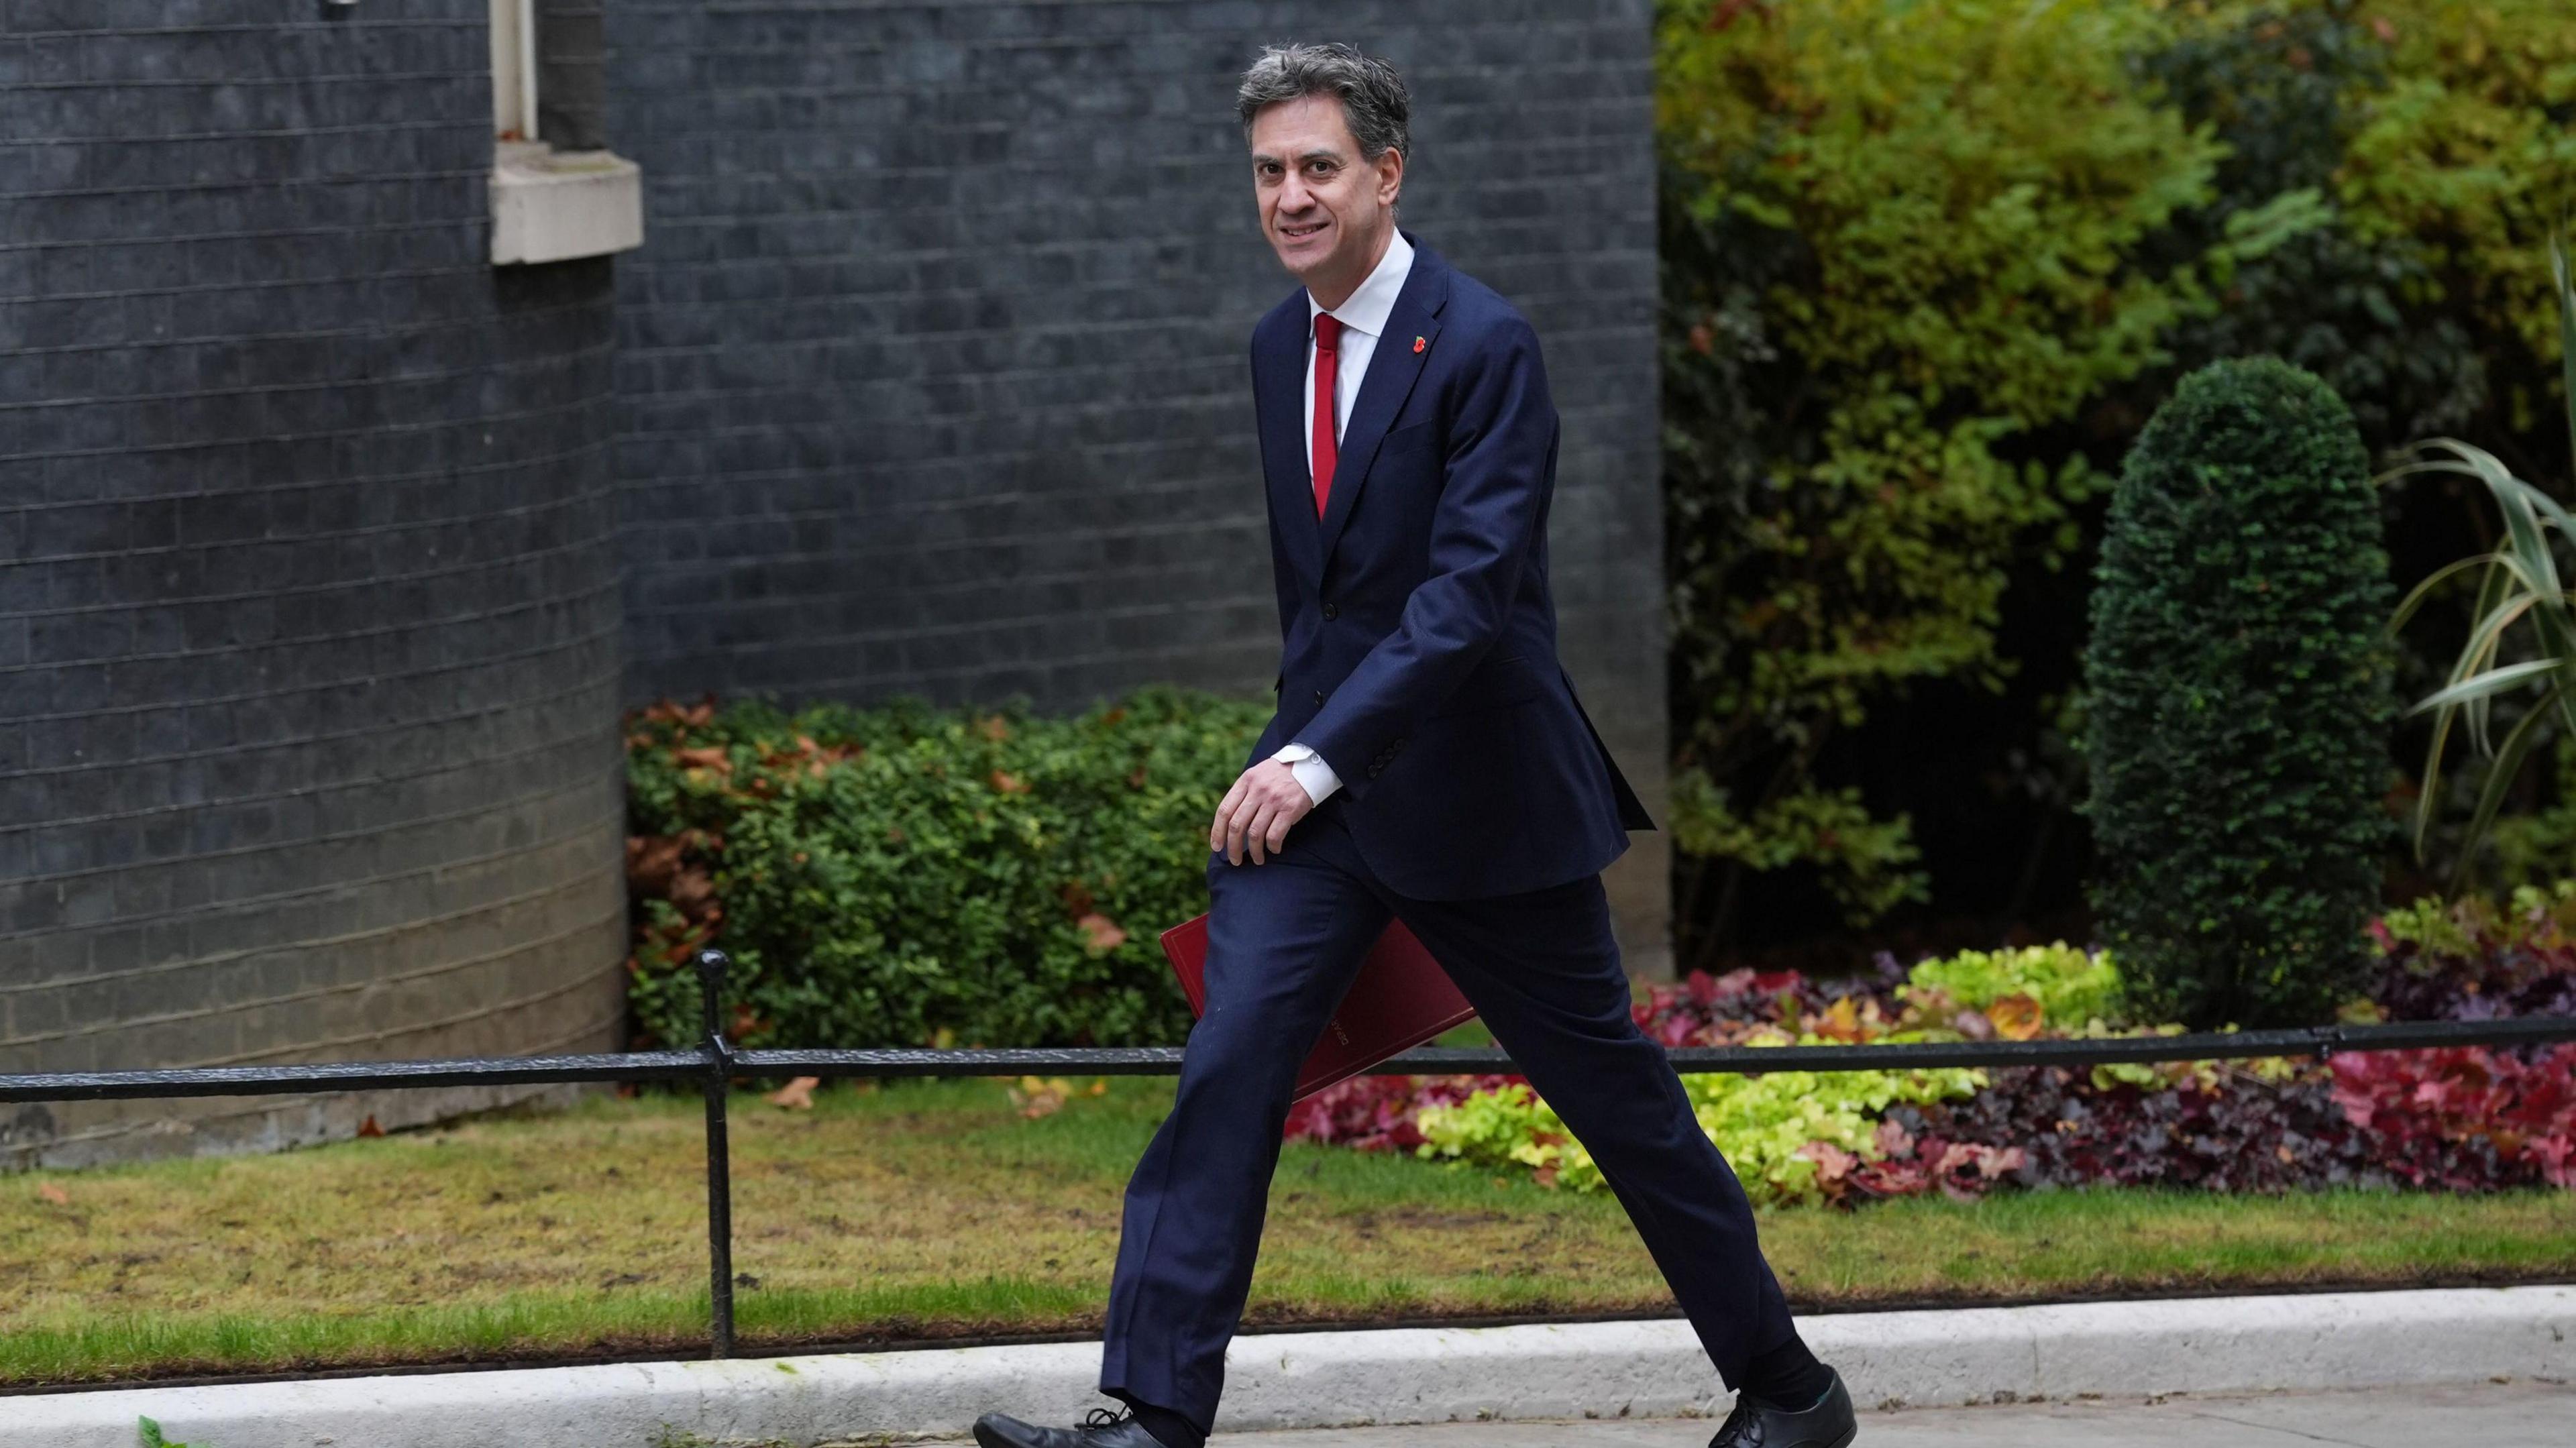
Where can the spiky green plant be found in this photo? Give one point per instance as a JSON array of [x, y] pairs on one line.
[[2518, 582]]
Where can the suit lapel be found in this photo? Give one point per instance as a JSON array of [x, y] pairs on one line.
[[1393, 368], [1279, 375]]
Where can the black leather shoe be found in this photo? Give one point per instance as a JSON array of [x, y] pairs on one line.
[[1829, 1424], [1103, 1429]]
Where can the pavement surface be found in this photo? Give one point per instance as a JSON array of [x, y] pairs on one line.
[[2484, 1415], [2215, 1372]]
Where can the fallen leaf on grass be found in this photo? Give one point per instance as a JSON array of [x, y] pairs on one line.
[[369, 1127], [54, 1194], [796, 1095], [1035, 1098]]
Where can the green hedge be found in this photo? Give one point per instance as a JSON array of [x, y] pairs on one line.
[[909, 876], [2240, 703]]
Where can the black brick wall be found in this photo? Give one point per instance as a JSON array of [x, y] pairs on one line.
[[308, 575], [572, 78], [932, 368]]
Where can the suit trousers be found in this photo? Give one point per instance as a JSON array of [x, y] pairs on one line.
[[1285, 939]]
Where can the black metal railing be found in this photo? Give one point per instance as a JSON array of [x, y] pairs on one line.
[[716, 1062]]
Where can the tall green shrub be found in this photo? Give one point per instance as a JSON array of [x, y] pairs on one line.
[[2241, 702], [905, 876]]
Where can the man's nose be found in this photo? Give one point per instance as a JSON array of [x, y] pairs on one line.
[[1293, 195]]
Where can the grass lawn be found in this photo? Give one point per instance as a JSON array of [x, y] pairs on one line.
[[934, 1209]]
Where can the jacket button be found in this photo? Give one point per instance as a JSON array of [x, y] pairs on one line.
[[1319, 696], [1330, 612]]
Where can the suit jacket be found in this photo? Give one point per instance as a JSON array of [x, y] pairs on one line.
[[1418, 638]]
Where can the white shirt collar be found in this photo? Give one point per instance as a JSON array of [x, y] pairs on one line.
[[1366, 309]]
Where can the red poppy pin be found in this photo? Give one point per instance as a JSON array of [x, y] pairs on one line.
[[1418, 345]]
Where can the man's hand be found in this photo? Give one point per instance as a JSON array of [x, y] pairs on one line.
[[1255, 815]]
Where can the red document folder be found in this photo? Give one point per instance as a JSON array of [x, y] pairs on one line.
[[1400, 999]]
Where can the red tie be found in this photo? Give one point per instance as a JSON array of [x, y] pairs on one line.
[[1328, 337]]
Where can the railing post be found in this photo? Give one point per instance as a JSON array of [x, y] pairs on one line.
[[719, 1072]]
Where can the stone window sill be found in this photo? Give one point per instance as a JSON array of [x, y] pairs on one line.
[[550, 205]]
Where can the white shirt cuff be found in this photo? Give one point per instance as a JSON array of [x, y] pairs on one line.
[[1311, 771]]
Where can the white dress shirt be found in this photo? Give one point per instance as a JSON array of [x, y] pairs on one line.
[[1363, 316]]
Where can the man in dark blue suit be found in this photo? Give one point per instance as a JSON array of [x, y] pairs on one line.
[[1428, 762]]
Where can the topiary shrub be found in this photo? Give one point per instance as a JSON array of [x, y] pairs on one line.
[[2241, 703]]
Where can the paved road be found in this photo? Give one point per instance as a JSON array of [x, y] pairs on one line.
[[2513, 1415]]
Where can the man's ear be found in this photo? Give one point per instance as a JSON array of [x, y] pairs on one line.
[[1390, 176]]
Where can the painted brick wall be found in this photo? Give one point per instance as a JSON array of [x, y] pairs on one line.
[[932, 370], [308, 577]]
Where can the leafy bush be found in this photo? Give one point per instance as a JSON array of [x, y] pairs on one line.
[[2055, 986], [2465, 1118], [2446, 1120], [908, 875], [2071, 986], [1722, 1010], [2469, 960], [1926, 269], [2240, 702], [2455, 1119], [2220, 1128], [1790, 1135], [1764, 1124], [1381, 1113], [1896, 242]]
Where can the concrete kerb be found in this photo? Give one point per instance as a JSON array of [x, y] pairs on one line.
[[1333, 1379]]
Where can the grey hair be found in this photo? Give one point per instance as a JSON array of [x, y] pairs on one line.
[[1372, 94]]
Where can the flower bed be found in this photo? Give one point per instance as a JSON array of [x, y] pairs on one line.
[[2454, 1119]]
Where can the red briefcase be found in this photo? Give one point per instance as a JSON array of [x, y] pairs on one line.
[[1400, 999]]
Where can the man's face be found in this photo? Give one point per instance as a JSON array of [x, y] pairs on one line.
[[1326, 211]]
